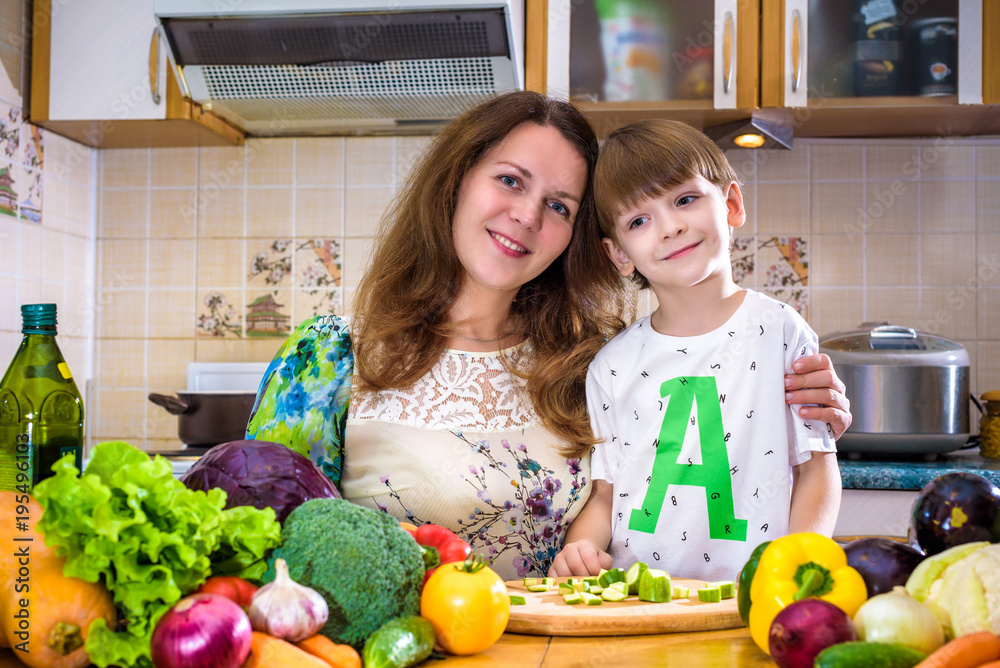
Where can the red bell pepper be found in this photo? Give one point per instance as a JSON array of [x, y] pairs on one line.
[[442, 542]]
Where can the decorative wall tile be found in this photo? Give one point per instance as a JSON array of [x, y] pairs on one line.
[[269, 313], [743, 260], [10, 130], [32, 146], [30, 199], [220, 315], [270, 264], [785, 261], [318, 263], [317, 302], [9, 176]]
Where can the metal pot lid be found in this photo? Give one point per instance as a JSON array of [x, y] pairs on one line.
[[876, 342]]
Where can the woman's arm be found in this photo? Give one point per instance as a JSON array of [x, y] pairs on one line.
[[588, 537], [816, 489], [816, 382]]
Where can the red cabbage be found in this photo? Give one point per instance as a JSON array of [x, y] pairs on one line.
[[260, 474]]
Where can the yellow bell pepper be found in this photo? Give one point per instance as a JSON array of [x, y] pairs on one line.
[[797, 566]]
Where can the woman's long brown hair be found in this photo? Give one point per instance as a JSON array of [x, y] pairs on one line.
[[566, 313]]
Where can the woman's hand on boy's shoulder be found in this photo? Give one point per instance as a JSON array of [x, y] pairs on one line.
[[579, 558], [816, 382]]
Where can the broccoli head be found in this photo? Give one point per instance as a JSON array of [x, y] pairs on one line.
[[367, 568]]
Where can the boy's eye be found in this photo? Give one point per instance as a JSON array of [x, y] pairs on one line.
[[636, 222], [509, 181], [686, 199]]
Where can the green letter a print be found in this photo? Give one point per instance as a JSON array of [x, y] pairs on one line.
[[713, 472]]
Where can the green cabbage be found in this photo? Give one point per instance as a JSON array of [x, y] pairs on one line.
[[129, 522]]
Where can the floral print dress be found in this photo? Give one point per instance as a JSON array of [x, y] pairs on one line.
[[461, 448]]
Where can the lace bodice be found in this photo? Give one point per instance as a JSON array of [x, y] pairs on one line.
[[464, 391]]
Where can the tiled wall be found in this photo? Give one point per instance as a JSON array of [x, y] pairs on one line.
[[47, 210], [211, 254]]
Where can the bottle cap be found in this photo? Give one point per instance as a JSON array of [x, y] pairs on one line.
[[38, 319]]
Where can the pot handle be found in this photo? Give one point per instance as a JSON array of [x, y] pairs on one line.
[[174, 405], [893, 332]]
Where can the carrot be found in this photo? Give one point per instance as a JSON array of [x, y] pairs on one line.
[[968, 651], [266, 651], [338, 656]]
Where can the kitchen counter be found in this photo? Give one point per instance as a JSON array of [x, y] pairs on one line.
[[732, 647], [913, 473], [710, 649]]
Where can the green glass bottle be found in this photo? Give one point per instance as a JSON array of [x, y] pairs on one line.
[[41, 412]]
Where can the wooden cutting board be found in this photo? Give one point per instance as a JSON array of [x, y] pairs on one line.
[[545, 613]]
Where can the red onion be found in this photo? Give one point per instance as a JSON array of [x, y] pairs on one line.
[[805, 628], [202, 631]]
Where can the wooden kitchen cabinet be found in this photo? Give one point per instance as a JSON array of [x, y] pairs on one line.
[[99, 77], [776, 50]]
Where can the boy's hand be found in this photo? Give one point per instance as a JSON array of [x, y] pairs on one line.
[[579, 558], [815, 382]]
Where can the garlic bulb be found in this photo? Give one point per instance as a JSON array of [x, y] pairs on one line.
[[285, 609], [896, 617]]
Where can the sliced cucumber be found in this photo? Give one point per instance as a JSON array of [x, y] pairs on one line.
[[727, 588], [654, 586], [611, 575], [709, 595], [573, 598], [678, 591], [516, 600], [566, 588], [538, 587], [590, 599], [632, 576], [614, 594]]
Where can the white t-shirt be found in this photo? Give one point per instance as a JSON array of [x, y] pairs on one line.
[[697, 488]]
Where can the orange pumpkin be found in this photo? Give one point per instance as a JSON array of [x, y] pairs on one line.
[[43, 611]]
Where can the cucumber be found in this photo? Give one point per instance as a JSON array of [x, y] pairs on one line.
[[614, 594], [516, 600], [727, 588], [573, 598], [538, 587], [611, 575], [654, 586], [566, 588], [401, 642], [590, 599], [859, 654], [709, 595], [678, 591], [632, 576]]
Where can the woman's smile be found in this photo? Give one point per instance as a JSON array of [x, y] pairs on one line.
[[510, 247]]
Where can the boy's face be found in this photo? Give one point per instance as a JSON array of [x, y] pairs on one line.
[[680, 239]]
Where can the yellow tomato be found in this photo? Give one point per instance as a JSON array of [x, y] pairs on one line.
[[468, 606]]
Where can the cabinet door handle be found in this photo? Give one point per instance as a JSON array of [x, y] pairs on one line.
[[154, 65], [729, 71], [796, 50]]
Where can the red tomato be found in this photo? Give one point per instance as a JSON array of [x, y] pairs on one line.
[[234, 588]]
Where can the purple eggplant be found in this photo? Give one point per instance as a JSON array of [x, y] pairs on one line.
[[883, 563], [953, 509]]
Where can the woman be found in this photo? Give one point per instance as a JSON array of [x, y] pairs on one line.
[[466, 361]]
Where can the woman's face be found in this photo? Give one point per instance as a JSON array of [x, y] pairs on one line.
[[516, 208]]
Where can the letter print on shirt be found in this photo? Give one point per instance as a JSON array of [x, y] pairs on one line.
[[713, 474]]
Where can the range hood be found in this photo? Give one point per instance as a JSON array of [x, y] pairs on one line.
[[301, 67]]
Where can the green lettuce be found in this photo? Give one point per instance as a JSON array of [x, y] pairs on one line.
[[128, 522]]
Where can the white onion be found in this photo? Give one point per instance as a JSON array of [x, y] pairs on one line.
[[202, 631], [896, 617]]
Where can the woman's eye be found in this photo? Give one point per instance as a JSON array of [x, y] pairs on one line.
[[509, 181], [559, 208]]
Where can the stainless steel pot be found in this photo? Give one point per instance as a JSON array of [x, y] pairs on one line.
[[208, 418], [909, 390]]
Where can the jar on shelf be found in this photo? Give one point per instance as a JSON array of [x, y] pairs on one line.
[[989, 425]]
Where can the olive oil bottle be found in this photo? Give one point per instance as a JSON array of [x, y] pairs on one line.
[[41, 412]]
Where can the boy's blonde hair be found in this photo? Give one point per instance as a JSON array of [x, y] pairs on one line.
[[646, 159]]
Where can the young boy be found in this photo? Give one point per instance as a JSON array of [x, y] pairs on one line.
[[701, 460]]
